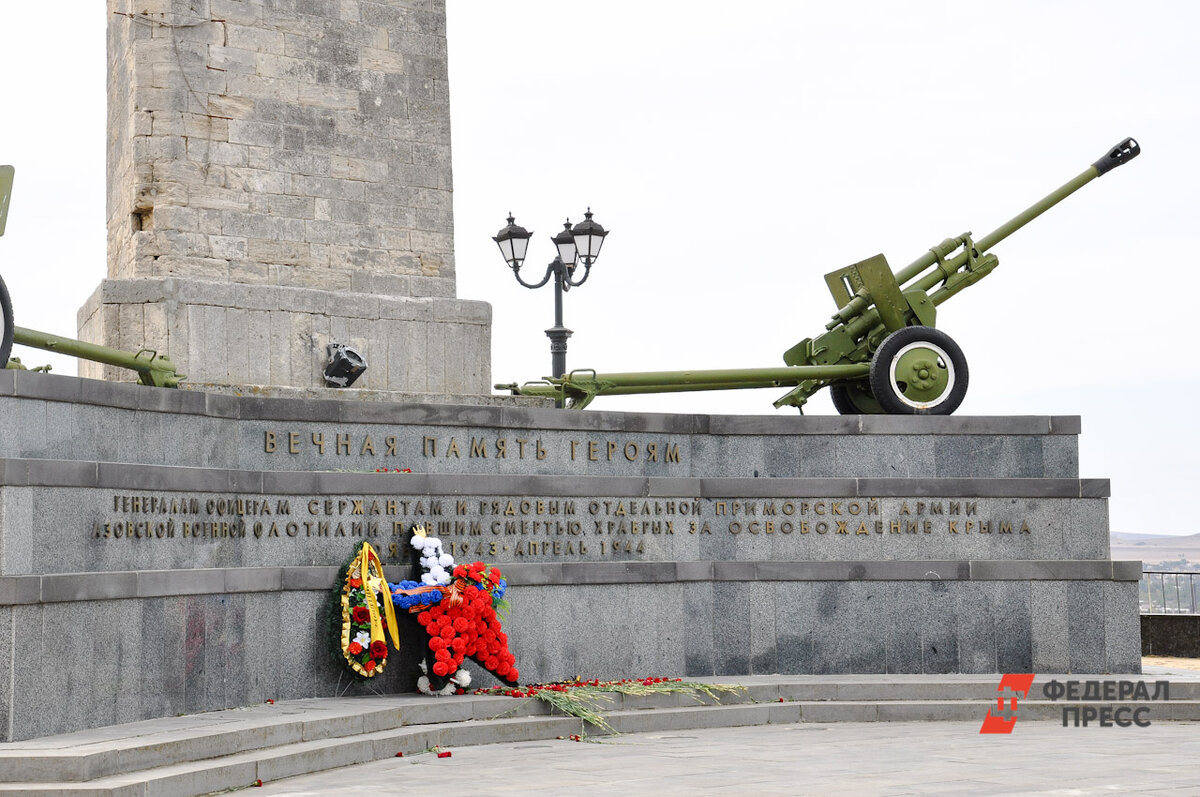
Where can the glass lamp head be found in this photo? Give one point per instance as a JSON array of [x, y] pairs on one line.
[[513, 241], [589, 237]]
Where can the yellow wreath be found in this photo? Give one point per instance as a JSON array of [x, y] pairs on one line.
[[367, 568]]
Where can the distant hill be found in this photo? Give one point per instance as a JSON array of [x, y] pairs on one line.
[[1158, 551]]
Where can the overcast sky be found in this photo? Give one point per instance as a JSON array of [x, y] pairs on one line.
[[740, 151]]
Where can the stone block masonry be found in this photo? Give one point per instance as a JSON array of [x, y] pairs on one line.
[[304, 145], [226, 333], [295, 143]]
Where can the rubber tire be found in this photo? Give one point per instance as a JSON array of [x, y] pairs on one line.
[[6, 325], [846, 400], [893, 344]]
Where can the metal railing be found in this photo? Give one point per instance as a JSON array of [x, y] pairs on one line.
[[1161, 592]]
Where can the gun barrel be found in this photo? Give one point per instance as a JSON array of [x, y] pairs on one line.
[[153, 369], [1125, 151], [729, 378], [587, 384]]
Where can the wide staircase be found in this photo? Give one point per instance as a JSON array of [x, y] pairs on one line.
[[223, 750]]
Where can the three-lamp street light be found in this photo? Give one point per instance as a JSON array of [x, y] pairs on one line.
[[578, 244]]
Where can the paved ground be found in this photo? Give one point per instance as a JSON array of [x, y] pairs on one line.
[[908, 758]]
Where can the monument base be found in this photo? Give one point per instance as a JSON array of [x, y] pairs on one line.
[[239, 334], [172, 551]]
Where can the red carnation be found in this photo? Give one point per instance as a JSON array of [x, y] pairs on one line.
[[447, 632], [423, 618], [442, 655], [354, 648], [356, 583], [360, 614], [460, 624], [370, 665], [436, 643], [440, 668], [378, 649], [495, 574]]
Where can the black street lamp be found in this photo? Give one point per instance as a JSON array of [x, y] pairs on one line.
[[580, 244]]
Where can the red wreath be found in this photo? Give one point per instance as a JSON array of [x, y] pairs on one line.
[[464, 625]]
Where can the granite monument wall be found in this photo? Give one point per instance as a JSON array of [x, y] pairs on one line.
[[171, 551], [55, 417]]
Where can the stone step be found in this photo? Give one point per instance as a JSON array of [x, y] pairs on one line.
[[101, 752], [229, 749], [288, 760]]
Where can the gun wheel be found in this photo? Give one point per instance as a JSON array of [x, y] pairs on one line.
[[855, 398], [919, 371], [6, 325]]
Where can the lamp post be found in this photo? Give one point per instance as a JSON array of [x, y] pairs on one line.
[[578, 244]]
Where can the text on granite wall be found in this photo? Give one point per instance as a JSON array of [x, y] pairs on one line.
[[527, 526], [468, 447]]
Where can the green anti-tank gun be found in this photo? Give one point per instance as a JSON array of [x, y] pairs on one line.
[[152, 368], [880, 353]]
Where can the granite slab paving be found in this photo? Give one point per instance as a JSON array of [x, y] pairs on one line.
[[904, 758]]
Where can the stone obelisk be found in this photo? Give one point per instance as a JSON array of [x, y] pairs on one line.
[[279, 180]]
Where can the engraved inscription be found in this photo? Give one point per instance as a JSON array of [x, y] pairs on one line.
[[514, 528]]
